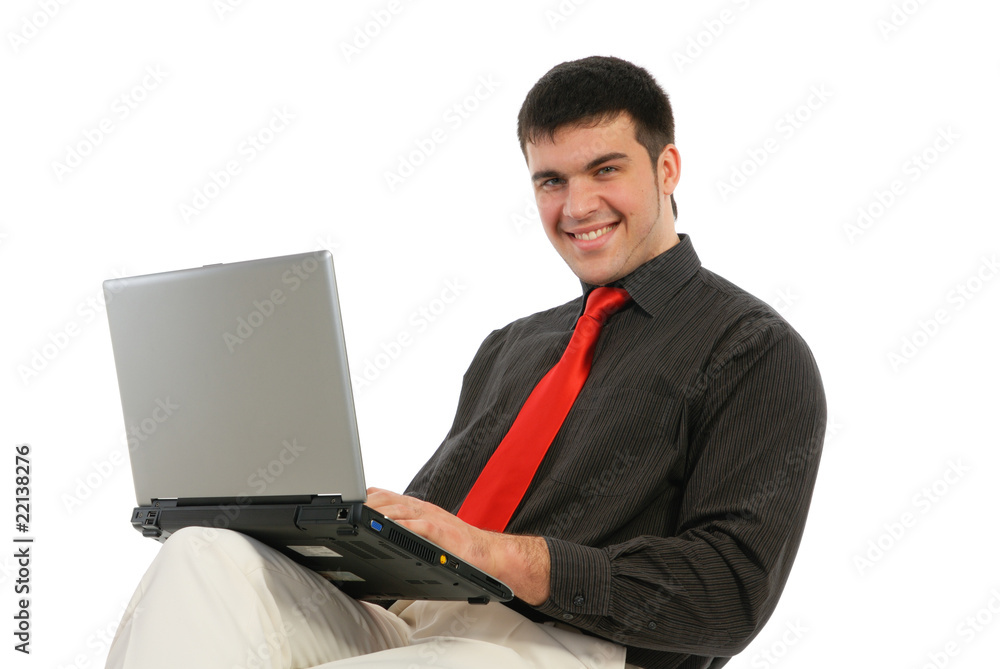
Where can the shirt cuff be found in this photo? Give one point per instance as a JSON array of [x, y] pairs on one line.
[[579, 581]]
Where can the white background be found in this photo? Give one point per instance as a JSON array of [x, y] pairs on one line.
[[465, 216]]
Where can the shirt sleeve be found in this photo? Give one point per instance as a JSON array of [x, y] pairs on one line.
[[756, 432]]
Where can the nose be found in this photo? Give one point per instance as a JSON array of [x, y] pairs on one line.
[[581, 200]]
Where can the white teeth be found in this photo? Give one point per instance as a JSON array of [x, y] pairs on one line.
[[594, 234]]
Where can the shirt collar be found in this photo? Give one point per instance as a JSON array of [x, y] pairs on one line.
[[652, 284]]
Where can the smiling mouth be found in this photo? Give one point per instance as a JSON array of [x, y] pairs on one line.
[[594, 234]]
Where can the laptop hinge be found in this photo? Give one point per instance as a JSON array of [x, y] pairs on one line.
[[239, 501], [327, 499]]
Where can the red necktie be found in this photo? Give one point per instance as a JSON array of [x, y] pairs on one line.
[[505, 478]]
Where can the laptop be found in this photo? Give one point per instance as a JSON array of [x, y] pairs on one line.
[[239, 414]]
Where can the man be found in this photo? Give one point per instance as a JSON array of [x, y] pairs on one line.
[[657, 525]]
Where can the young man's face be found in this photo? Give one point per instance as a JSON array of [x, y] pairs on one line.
[[602, 206]]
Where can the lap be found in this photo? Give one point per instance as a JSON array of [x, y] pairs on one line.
[[317, 623], [458, 634]]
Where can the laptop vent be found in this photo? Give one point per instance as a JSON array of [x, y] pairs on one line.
[[363, 550], [408, 544], [375, 596], [392, 549]]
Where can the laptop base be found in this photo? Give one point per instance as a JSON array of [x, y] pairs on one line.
[[357, 549]]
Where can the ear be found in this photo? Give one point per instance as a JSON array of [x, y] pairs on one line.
[[669, 169]]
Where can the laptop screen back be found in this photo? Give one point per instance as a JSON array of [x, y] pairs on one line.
[[234, 381]]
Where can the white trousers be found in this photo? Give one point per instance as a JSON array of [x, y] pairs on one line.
[[221, 600]]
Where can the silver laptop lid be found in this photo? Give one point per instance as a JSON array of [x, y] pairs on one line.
[[234, 381]]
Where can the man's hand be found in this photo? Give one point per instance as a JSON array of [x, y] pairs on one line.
[[520, 562]]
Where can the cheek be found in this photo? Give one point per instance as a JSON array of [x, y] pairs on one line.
[[620, 197], [549, 211], [637, 203]]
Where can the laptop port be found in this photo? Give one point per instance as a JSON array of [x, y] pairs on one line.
[[342, 514], [377, 526]]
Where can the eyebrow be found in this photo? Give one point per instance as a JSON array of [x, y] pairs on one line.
[[548, 174]]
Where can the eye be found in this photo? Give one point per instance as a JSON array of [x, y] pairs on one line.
[[549, 183], [607, 169]]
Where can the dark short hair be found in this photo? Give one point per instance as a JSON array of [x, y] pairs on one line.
[[596, 90]]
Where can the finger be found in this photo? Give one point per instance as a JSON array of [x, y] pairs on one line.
[[393, 511], [396, 506], [379, 498], [423, 527]]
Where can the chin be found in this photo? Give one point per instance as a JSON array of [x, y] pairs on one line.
[[597, 272], [594, 277]]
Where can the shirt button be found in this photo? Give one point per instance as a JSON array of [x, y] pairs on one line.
[[578, 600], [567, 616], [651, 625]]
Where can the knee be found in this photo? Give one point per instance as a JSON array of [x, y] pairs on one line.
[[196, 536], [197, 544]]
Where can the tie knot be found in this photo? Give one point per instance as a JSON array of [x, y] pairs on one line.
[[604, 301]]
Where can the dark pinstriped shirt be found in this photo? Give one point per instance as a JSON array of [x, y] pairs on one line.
[[674, 496]]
